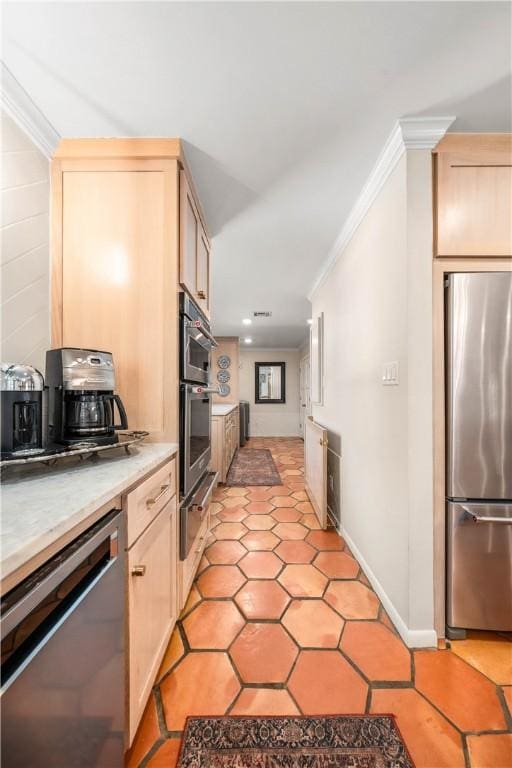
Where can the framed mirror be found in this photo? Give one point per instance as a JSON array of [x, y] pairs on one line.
[[270, 383]]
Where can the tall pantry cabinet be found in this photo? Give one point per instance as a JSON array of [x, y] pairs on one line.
[[116, 265]]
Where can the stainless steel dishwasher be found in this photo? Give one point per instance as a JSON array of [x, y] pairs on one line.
[[62, 689]]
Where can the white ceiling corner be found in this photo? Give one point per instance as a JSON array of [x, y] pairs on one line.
[[409, 133], [20, 107]]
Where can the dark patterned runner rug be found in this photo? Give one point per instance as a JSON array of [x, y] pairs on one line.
[[353, 741], [253, 466]]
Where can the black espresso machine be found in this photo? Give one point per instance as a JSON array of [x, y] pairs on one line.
[[81, 398]]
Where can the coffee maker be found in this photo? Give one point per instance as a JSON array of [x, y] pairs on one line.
[[81, 385], [23, 410]]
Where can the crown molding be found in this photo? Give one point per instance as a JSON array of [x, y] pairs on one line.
[[408, 133], [18, 105], [423, 132]]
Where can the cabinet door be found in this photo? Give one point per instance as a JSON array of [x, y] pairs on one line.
[[152, 606], [203, 271], [474, 205], [189, 237], [114, 256]]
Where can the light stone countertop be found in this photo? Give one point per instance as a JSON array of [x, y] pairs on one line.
[[43, 508], [222, 410]]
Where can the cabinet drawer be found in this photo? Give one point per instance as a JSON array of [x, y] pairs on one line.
[[145, 502], [190, 565]]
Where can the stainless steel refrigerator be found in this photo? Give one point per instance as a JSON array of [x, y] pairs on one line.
[[478, 452]]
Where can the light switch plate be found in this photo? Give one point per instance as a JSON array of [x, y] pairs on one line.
[[391, 374]]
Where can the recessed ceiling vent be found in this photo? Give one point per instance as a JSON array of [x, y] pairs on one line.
[[262, 314]]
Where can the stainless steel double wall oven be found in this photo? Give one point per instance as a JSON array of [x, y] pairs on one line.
[[196, 482]]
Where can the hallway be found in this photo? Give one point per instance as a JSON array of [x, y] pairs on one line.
[[282, 620]]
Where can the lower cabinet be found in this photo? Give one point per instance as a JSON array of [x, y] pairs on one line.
[[152, 606], [225, 441]]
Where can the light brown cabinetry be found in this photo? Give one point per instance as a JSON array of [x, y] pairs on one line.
[[225, 441], [194, 248], [152, 573], [473, 195], [116, 211]]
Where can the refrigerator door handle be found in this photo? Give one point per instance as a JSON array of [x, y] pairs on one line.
[[483, 519]]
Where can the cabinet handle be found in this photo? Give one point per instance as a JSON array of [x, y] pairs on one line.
[[163, 488], [201, 294], [139, 570]]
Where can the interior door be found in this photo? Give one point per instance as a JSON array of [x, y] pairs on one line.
[[305, 393], [315, 468]]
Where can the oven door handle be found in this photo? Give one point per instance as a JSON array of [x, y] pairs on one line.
[[200, 327]]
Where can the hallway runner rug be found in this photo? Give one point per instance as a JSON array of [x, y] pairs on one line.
[[353, 741], [253, 466]]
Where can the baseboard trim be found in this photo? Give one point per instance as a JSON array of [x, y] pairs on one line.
[[413, 638]]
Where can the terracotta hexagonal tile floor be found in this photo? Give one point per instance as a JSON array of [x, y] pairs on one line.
[[260, 565], [324, 682], [232, 515], [337, 565], [303, 581], [313, 624], [283, 501], [220, 581], [264, 701], [286, 515], [198, 675], [166, 756], [232, 502], [295, 552], [352, 600], [263, 653], [290, 531], [326, 540], [430, 738], [490, 750], [213, 624], [230, 531], [478, 709], [311, 522], [260, 540], [489, 652], [259, 494], [376, 651], [259, 522], [259, 507], [225, 552], [202, 684], [262, 600]]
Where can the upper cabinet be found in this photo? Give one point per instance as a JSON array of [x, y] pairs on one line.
[[473, 195], [194, 248], [121, 209]]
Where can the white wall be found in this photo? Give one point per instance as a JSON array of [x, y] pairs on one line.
[[271, 420], [25, 262], [377, 309]]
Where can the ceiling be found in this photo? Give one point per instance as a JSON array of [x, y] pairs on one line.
[[284, 108]]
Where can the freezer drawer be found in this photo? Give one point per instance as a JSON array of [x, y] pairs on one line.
[[479, 566]]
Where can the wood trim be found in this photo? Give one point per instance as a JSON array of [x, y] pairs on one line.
[[440, 268], [475, 143], [117, 148]]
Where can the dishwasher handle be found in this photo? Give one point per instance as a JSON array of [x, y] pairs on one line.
[[48, 577]]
